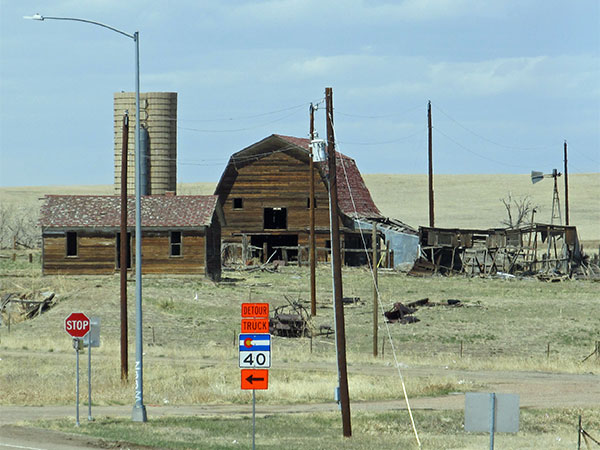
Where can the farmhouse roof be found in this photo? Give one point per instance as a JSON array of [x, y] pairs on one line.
[[104, 211], [354, 199]]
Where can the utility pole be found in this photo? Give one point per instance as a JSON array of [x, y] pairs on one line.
[[340, 331], [375, 289], [123, 260], [566, 189], [431, 210], [312, 245]]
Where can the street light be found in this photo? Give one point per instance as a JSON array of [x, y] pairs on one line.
[[139, 410]]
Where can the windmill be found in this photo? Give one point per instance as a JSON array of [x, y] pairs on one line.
[[539, 176]]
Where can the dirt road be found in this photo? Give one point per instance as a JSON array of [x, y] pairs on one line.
[[536, 390]]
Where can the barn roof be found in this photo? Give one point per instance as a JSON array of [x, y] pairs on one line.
[[104, 211], [354, 198]]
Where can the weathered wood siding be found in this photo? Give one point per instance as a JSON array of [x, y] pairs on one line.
[[95, 254], [274, 181], [156, 250]]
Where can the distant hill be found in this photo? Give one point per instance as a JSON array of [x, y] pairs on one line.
[[467, 201]]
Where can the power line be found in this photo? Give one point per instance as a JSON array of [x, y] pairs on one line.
[[235, 130], [378, 297], [483, 137], [384, 116], [404, 138], [475, 153]]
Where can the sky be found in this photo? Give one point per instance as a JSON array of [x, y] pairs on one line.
[[509, 81]]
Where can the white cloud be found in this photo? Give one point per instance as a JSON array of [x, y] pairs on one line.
[[334, 65], [357, 11]]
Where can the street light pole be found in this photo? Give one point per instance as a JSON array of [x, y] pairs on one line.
[[139, 410]]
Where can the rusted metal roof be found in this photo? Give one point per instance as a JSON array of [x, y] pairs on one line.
[[104, 211]]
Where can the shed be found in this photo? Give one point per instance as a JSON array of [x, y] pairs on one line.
[[180, 234]]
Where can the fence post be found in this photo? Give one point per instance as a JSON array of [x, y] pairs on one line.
[[548, 351], [579, 434], [461, 349]]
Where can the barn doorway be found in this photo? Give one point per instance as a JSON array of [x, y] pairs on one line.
[[274, 243]]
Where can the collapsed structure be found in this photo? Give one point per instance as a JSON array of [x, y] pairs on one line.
[[529, 249]]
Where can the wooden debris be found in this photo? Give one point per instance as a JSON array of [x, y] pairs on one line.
[[26, 307]]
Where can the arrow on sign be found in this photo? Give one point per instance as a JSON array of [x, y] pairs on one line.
[[255, 379], [252, 378]]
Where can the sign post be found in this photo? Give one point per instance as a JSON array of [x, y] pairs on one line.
[[77, 325], [255, 352], [92, 339]]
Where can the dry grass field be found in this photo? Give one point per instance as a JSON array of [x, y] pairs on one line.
[[504, 328], [519, 335]]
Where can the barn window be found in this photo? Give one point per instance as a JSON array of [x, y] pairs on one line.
[[238, 203], [71, 243], [308, 202], [175, 243], [275, 218]]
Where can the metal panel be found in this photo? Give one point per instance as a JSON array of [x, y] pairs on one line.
[[92, 339], [478, 412]]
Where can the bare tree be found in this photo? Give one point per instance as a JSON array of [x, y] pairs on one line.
[[19, 225], [517, 210]]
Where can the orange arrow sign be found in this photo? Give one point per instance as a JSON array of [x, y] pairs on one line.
[[255, 379]]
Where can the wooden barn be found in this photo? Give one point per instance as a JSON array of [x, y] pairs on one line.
[[264, 192], [181, 234]]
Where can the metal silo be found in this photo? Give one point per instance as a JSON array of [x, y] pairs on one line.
[[158, 115]]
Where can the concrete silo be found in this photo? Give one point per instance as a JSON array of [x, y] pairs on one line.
[[158, 116]]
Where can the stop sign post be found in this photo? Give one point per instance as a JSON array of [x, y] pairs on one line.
[[77, 325]]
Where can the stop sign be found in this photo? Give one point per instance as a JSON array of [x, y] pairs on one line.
[[77, 325]]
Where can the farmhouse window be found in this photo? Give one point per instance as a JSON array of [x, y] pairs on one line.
[[238, 203], [275, 218], [71, 243], [308, 202], [175, 243]]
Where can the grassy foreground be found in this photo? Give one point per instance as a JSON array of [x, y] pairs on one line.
[[191, 352], [548, 429], [190, 329]]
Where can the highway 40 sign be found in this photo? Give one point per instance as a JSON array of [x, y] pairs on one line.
[[77, 324], [255, 351]]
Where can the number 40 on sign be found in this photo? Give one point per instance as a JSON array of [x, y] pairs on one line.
[[255, 351]]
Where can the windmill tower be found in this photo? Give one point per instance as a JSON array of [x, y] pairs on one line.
[[539, 176]]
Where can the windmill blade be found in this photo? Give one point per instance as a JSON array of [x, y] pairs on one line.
[[536, 176]]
